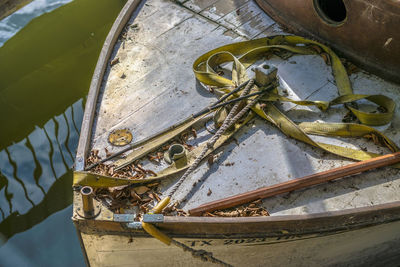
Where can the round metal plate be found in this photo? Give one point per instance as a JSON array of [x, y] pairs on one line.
[[96, 212], [120, 137]]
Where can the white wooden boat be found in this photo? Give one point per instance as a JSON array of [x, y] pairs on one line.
[[353, 221]]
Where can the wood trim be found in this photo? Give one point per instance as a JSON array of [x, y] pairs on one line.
[[97, 78], [296, 184], [317, 224], [346, 212], [335, 221]]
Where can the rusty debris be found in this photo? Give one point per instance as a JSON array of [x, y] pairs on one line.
[[135, 170], [173, 210], [210, 160], [249, 210], [209, 192], [132, 171], [326, 58], [379, 141], [349, 66], [123, 199], [156, 157], [119, 199], [141, 189], [194, 133], [114, 61], [316, 48]]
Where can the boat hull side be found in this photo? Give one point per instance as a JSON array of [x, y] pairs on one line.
[[376, 245], [368, 35], [360, 236]]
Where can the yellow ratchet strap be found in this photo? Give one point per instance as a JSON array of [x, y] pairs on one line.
[[84, 178], [154, 232], [244, 54]]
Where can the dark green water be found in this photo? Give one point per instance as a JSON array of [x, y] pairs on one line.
[[45, 72]]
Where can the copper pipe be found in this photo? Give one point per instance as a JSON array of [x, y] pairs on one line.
[[87, 201]]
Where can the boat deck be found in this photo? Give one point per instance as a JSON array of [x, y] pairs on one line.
[[152, 86]]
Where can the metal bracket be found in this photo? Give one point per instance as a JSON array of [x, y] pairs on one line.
[[134, 225], [153, 218], [176, 153], [128, 218], [265, 74], [147, 218]]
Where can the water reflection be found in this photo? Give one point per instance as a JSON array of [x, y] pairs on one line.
[[45, 72], [12, 24], [35, 173]]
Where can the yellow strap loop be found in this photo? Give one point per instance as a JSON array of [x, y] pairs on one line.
[[244, 54]]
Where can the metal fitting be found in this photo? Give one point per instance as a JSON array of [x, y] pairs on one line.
[[176, 153], [265, 74], [88, 209], [87, 201]]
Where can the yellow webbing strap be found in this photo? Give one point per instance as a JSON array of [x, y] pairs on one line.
[[244, 54], [84, 178], [156, 233], [159, 140]]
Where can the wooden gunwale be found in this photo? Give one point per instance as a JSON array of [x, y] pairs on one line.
[[359, 217], [273, 226], [95, 84]]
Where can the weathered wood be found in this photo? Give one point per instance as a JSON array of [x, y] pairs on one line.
[[375, 51], [153, 86], [296, 184], [217, 227], [7, 7], [88, 117], [262, 237]]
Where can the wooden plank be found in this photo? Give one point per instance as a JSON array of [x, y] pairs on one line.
[[240, 16], [148, 95], [255, 25], [198, 5], [221, 8], [299, 183], [272, 30], [90, 107]]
